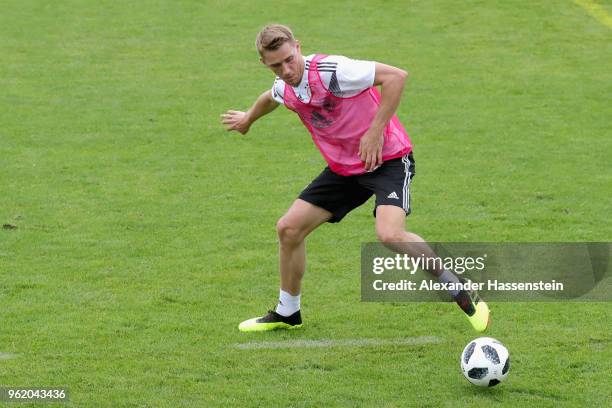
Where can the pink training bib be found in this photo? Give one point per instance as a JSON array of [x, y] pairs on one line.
[[337, 124]]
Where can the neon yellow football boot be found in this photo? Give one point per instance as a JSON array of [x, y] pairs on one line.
[[481, 319], [271, 321], [474, 307]]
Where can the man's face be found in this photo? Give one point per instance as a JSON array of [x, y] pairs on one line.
[[286, 62]]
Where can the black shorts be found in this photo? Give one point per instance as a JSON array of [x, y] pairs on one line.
[[341, 194]]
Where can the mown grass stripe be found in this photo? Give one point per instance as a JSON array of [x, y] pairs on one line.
[[595, 10], [338, 343]]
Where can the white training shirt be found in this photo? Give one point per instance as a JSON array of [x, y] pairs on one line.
[[342, 76]]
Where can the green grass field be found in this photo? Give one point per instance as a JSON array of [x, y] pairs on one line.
[[145, 233]]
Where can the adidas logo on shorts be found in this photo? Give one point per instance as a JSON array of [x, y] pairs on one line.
[[393, 195]]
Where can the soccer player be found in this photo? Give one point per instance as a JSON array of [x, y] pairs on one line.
[[367, 150]]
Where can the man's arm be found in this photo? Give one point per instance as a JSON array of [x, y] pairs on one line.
[[391, 81], [242, 121]]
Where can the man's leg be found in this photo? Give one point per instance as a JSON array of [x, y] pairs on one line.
[[390, 230], [292, 228]]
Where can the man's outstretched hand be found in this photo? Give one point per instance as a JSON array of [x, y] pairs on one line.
[[236, 120]]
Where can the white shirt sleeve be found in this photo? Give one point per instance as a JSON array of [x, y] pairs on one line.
[[278, 90], [353, 76]]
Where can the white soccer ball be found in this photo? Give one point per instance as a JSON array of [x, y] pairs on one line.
[[485, 362]]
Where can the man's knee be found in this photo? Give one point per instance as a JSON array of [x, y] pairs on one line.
[[289, 232], [390, 235]]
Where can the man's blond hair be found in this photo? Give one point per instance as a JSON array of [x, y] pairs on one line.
[[272, 36]]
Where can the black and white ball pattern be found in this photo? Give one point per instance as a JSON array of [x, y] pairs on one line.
[[485, 362]]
